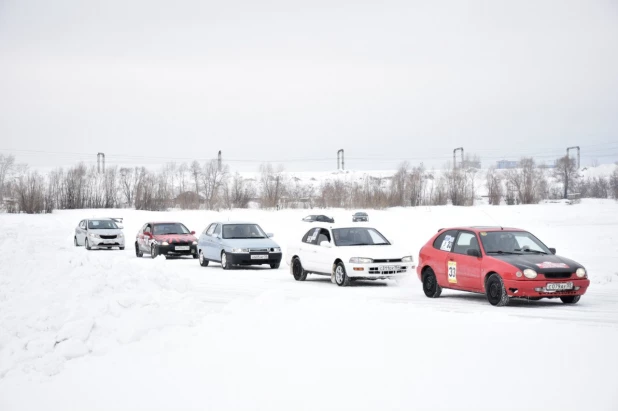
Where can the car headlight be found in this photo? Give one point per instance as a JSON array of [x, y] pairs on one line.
[[581, 272], [275, 250], [94, 235], [240, 250], [194, 243], [529, 273], [120, 235], [165, 243], [361, 260], [407, 259]]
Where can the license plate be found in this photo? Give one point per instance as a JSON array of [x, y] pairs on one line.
[[383, 268], [559, 286], [181, 248], [259, 257]]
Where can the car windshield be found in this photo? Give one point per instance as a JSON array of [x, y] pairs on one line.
[[512, 242], [358, 236], [242, 231], [361, 214], [101, 225], [170, 228]]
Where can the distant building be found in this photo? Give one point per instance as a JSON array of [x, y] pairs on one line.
[[471, 164], [504, 164]]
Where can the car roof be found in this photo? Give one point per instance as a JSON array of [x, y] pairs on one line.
[[334, 226], [478, 228], [164, 222], [234, 222]]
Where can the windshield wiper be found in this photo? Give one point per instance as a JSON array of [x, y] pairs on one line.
[[531, 251], [502, 252]]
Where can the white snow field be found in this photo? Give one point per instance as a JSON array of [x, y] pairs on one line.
[[105, 330]]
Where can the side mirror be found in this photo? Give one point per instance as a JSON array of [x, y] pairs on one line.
[[553, 250], [473, 252], [193, 232], [120, 226], [325, 244], [269, 235]]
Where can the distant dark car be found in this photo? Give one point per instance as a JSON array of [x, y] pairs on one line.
[[318, 219], [360, 216]]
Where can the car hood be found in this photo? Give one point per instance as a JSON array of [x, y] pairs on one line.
[[377, 252], [111, 231], [250, 242], [540, 263], [175, 238]]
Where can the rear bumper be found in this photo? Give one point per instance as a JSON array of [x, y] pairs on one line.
[[531, 288], [246, 258]]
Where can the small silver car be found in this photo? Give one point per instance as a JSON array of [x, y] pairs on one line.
[[237, 243], [99, 233]]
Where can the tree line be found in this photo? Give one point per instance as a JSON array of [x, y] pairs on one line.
[[211, 185]]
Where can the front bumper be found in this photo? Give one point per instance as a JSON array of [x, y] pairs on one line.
[[171, 249], [247, 259], [378, 271], [106, 243], [533, 288]]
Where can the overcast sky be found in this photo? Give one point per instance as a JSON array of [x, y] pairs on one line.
[[150, 81]]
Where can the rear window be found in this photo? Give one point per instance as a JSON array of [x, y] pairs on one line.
[[445, 240], [101, 225]]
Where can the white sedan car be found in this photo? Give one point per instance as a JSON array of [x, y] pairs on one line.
[[347, 253], [99, 233]]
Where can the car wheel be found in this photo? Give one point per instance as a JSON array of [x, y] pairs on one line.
[[195, 256], [121, 248], [274, 266], [496, 293], [138, 252], [430, 284], [203, 261], [341, 278], [571, 299], [75, 242], [153, 251], [224, 263], [298, 271], [87, 244]]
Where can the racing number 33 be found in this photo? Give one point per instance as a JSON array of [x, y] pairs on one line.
[[452, 272]]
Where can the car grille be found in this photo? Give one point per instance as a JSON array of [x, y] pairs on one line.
[[561, 275], [392, 260], [392, 270], [258, 250], [108, 237], [180, 243]]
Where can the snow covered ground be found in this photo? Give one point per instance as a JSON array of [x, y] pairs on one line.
[[104, 330]]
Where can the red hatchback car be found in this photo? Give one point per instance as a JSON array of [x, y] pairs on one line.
[[170, 239], [502, 263]]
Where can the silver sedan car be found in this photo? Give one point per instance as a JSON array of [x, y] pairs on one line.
[[99, 233]]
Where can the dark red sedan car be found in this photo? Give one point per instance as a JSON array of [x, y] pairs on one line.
[[502, 263], [170, 239]]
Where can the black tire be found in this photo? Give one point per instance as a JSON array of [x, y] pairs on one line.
[[121, 248], [430, 284], [153, 251], [571, 299], [138, 252], [195, 256], [341, 278], [75, 242], [203, 261], [298, 272], [495, 291], [87, 244], [224, 263], [274, 266]]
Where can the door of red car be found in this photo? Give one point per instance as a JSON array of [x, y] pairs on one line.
[[464, 270], [438, 257]]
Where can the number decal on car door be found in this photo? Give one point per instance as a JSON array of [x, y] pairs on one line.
[[452, 272]]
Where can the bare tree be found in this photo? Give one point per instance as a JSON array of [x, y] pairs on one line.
[[7, 164], [272, 184], [30, 190], [399, 184], [213, 179], [415, 186], [613, 183], [565, 171], [494, 186], [196, 172], [528, 181]]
